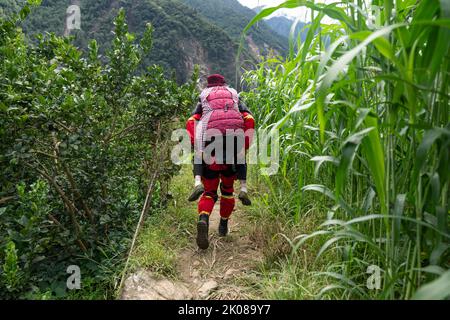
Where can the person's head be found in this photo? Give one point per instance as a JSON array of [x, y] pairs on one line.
[[215, 80]]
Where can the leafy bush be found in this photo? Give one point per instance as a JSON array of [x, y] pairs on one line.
[[80, 139], [179, 32], [12, 278]]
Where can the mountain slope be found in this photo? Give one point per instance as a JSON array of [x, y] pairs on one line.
[[282, 25], [182, 36], [232, 17]]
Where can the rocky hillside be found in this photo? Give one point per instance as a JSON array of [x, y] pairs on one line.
[[232, 17], [183, 34]]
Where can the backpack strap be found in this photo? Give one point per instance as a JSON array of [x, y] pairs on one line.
[[204, 99], [234, 96], [207, 111], [202, 125]]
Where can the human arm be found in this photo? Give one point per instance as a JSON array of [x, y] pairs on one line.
[[191, 122]]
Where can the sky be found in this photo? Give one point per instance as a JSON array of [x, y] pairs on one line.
[[303, 13], [255, 3]]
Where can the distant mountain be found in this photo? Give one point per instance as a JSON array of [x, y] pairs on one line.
[[186, 32], [282, 25], [233, 17]]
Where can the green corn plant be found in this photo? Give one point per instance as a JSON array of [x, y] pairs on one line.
[[362, 106]]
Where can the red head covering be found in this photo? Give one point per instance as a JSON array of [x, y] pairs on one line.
[[215, 80]]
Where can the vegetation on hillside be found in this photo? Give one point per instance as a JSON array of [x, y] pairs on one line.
[[232, 17], [182, 35], [179, 33]]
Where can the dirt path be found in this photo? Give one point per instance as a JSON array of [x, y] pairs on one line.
[[226, 260], [215, 273]]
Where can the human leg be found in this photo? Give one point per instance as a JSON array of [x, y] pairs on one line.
[[205, 206], [241, 171], [198, 187], [227, 202]]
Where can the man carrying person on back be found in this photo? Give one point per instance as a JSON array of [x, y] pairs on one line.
[[219, 116]]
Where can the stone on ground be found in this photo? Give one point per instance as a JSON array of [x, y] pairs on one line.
[[143, 285], [207, 288]]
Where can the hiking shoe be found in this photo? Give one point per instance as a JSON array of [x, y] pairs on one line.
[[198, 191], [202, 231], [223, 227], [243, 196]]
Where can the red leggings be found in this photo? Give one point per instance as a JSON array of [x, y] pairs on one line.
[[208, 199]]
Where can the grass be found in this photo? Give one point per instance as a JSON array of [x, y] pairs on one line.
[[166, 231], [283, 273], [362, 109]]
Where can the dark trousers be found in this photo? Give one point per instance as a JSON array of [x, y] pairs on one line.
[[239, 169]]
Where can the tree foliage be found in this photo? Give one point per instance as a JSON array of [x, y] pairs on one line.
[[182, 36], [232, 17], [80, 139]]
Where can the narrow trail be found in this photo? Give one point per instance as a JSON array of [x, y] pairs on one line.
[[210, 273], [215, 273]]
